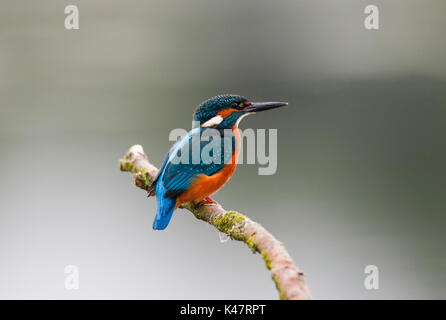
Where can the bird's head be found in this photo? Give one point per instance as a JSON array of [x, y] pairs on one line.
[[226, 111]]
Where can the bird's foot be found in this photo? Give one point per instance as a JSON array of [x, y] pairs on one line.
[[207, 201]]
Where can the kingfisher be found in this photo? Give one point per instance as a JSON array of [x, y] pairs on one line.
[[195, 176]]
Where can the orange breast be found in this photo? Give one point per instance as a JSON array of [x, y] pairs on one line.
[[204, 185]]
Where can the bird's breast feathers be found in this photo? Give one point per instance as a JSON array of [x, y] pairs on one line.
[[204, 186]]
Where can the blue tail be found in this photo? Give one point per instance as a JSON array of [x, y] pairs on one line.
[[166, 206]]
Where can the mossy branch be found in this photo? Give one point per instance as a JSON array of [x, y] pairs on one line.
[[289, 280]]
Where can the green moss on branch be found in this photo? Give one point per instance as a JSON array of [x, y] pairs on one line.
[[126, 165], [231, 223], [282, 292]]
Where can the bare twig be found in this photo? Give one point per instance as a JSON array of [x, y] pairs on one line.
[[289, 280]]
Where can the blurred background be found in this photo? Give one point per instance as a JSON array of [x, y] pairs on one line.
[[361, 148]]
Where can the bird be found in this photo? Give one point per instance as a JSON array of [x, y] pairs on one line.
[[178, 182]]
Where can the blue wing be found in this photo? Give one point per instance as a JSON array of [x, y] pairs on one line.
[[185, 161]]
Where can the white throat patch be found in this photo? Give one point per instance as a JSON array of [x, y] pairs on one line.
[[240, 119]]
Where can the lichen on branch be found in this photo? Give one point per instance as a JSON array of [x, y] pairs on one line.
[[290, 282]]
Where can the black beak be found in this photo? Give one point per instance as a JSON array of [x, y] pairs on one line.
[[262, 106]]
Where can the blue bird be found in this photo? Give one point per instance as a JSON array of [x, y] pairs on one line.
[[190, 174]]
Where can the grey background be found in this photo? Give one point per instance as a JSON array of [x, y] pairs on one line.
[[361, 174]]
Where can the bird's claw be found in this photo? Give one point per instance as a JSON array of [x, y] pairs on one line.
[[207, 201]]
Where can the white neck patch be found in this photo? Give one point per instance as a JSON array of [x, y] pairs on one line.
[[215, 121], [240, 119]]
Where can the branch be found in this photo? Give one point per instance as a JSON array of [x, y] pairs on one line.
[[289, 280]]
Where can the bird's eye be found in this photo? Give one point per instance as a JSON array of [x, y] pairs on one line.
[[234, 105]]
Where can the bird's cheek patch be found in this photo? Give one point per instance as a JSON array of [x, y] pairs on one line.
[[215, 121], [226, 112]]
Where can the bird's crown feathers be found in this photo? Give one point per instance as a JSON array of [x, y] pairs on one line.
[[209, 108]]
